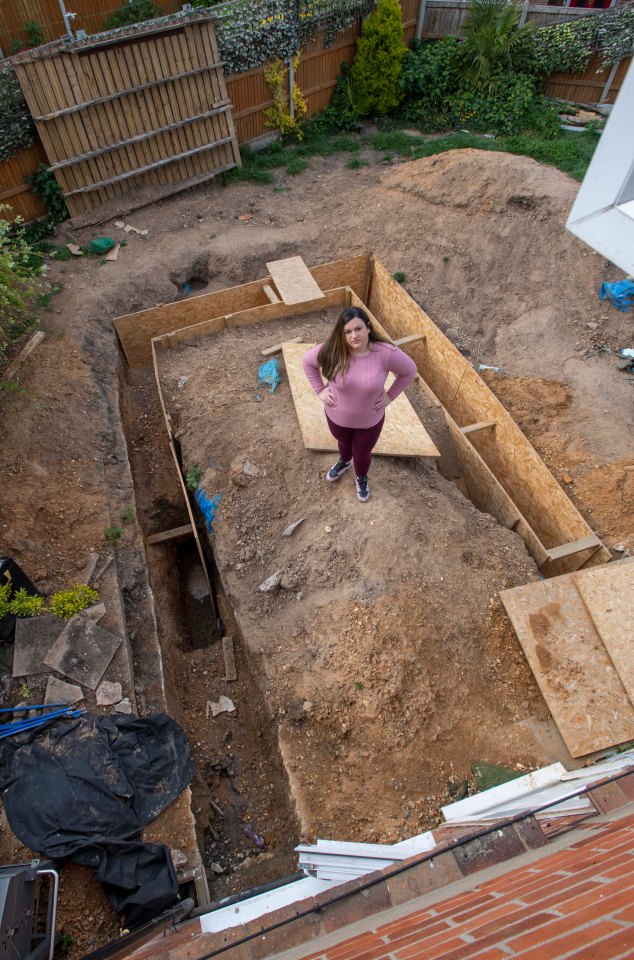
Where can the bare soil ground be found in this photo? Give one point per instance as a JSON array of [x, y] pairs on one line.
[[481, 240]]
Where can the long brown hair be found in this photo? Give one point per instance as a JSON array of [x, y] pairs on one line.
[[334, 356]]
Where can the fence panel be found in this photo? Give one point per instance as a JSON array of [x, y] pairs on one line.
[[587, 87], [14, 193], [146, 110]]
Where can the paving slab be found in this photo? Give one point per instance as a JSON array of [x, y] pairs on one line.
[[34, 637], [83, 651], [58, 691]]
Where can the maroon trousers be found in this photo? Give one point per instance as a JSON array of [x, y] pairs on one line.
[[356, 445]]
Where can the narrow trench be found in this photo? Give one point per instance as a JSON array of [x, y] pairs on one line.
[[240, 781]]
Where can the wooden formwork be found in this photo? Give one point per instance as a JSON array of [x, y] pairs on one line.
[[137, 330], [504, 474], [121, 112]]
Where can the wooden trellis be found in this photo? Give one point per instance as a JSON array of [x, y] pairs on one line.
[[148, 110]]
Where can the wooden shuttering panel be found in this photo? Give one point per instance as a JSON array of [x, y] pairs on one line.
[[137, 330], [576, 631], [148, 111], [519, 490]]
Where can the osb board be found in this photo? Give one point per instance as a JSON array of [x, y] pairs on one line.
[[608, 593], [294, 281], [272, 311], [403, 434], [506, 451], [136, 330], [571, 665]]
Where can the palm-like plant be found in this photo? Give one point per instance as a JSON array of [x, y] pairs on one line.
[[493, 41]]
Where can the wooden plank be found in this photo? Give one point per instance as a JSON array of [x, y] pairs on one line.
[[278, 347], [293, 280], [403, 434], [174, 534], [608, 593], [270, 293], [412, 338], [33, 342], [228, 654], [578, 546], [571, 665], [476, 427]]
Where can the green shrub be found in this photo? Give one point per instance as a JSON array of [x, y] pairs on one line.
[[112, 535], [66, 603], [136, 12], [376, 70], [494, 43], [17, 129], [19, 266], [193, 476], [512, 106], [24, 604], [347, 106], [429, 80], [44, 185]]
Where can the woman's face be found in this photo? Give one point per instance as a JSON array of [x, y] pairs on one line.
[[357, 335]]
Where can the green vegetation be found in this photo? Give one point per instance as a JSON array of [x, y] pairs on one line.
[[193, 476], [19, 268], [127, 514], [17, 129], [23, 604], [399, 276], [376, 70], [112, 535], [67, 603], [356, 163], [493, 43], [135, 12]]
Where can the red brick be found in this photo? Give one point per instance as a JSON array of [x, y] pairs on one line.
[[424, 940], [586, 938], [612, 896], [494, 954], [368, 952], [617, 843], [476, 918], [609, 948], [563, 887], [559, 927], [419, 917], [424, 952], [552, 900], [619, 870], [626, 916], [417, 929], [366, 939], [513, 878], [503, 922], [467, 951], [448, 908]]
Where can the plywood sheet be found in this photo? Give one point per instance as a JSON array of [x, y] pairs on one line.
[[608, 593], [402, 436], [583, 690], [293, 280]]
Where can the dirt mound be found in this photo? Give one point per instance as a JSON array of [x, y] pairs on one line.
[[477, 180]]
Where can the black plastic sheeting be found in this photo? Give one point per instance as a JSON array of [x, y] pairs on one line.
[[83, 789]]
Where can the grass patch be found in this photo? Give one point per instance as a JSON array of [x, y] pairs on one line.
[[296, 165], [356, 163], [395, 141]]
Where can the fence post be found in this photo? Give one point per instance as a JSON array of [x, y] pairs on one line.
[[291, 87], [524, 13], [608, 83], [422, 9]]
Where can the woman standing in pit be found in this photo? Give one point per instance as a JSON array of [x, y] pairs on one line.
[[355, 362]]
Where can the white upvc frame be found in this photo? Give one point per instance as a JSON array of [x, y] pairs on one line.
[[603, 213]]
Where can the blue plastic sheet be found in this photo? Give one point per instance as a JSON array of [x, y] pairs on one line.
[[620, 294], [269, 373], [207, 507]]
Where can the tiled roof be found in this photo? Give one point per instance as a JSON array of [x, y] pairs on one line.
[[578, 902]]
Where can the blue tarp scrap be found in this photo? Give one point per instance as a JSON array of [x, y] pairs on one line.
[[620, 294], [269, 373], [208, 507]]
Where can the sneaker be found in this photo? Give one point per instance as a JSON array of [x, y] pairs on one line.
[[337, 469], [363, 489]]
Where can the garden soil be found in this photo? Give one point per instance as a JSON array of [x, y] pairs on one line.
[[396, 667]]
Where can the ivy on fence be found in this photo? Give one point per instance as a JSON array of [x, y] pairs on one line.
[[17, 129]]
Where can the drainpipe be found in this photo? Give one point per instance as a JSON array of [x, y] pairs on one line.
[[67, 19]]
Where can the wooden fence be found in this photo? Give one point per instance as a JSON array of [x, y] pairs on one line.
[[14, 192], [148, 111], [248, 92]]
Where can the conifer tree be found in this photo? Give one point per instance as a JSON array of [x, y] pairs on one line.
[[376, 70]]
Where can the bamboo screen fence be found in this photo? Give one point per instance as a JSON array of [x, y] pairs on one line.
[[147, 112]]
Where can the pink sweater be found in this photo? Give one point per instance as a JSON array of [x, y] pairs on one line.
[[363, 383]]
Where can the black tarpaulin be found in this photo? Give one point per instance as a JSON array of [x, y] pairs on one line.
[[83, 789]]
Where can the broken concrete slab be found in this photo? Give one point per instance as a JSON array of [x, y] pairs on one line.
[[292, 527], [34, 637], [83, 651], [124, 706], [108, 693], [58, 691], [95, 613], [271, 583], [224, 705]]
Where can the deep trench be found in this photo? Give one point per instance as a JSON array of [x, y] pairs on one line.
[[240, 781]]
